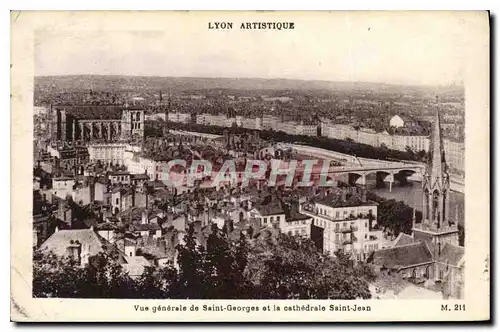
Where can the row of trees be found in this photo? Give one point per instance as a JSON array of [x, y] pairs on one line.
[[265, 267], [343, 146]]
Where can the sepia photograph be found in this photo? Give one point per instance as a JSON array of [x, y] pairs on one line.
[[196, 157]]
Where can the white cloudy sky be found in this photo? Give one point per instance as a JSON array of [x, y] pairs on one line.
[[407, 48]]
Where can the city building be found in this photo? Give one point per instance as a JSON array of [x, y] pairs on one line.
[[107, 153], [270, 122], [400, 121], [62, 187], [179, 117], [349, 222], [252, 123], [455, 154]]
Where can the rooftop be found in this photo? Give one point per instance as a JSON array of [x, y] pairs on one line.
[[335, 201], [60, 240], [403, 256], [93, 112]]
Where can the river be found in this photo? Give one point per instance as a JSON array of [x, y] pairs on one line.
[[412, 196]]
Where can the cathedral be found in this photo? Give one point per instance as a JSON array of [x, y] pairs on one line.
[[431, 255], [90, 123]]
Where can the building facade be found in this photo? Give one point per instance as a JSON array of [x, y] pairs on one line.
[[351, 228]]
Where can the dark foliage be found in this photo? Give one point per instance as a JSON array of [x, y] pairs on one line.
[[272, 268]]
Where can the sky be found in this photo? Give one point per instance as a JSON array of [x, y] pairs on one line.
[[397, 48]]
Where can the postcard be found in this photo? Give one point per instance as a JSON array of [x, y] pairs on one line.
[[250, 166]]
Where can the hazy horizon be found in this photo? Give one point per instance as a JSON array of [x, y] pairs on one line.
[[457, 85]]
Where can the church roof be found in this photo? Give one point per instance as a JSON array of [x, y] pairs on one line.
[[402, 239], [403, 256]]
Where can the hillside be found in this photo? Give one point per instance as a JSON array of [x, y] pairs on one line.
[[75, 83]]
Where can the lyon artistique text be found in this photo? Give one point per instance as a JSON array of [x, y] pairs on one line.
[[252, 25]]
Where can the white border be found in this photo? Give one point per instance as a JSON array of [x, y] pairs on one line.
[[493, 5]]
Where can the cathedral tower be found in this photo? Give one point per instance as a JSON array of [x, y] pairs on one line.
[[436, 227]]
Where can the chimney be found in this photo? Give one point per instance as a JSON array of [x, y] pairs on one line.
[[230, 226], [370, 221], [162, 246], [74, 251], [92, 188]]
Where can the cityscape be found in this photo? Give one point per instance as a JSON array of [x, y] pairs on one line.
[[219, 188], [176, 161]]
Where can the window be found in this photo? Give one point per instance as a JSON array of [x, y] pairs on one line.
[[296, 232], [337, 226], [265, 220], [366, 225], [337, 214], [290, 233], [272, 219], [278, 218], [117, 201]]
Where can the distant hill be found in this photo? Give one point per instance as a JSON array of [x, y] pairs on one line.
[[73, 83]]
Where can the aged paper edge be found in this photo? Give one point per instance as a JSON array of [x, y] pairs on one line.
[[24, 308]]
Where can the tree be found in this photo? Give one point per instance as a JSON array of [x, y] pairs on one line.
[[291, 268], [395, 217], [221, 266], [192, 275], [63, 278], [157, 283]]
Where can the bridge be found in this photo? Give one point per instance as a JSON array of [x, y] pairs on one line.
[[357, 169]]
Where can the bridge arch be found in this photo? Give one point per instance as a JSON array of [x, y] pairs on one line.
[[353, 177]]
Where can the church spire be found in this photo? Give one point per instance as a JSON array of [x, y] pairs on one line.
[[437, 170], [436, 226]]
